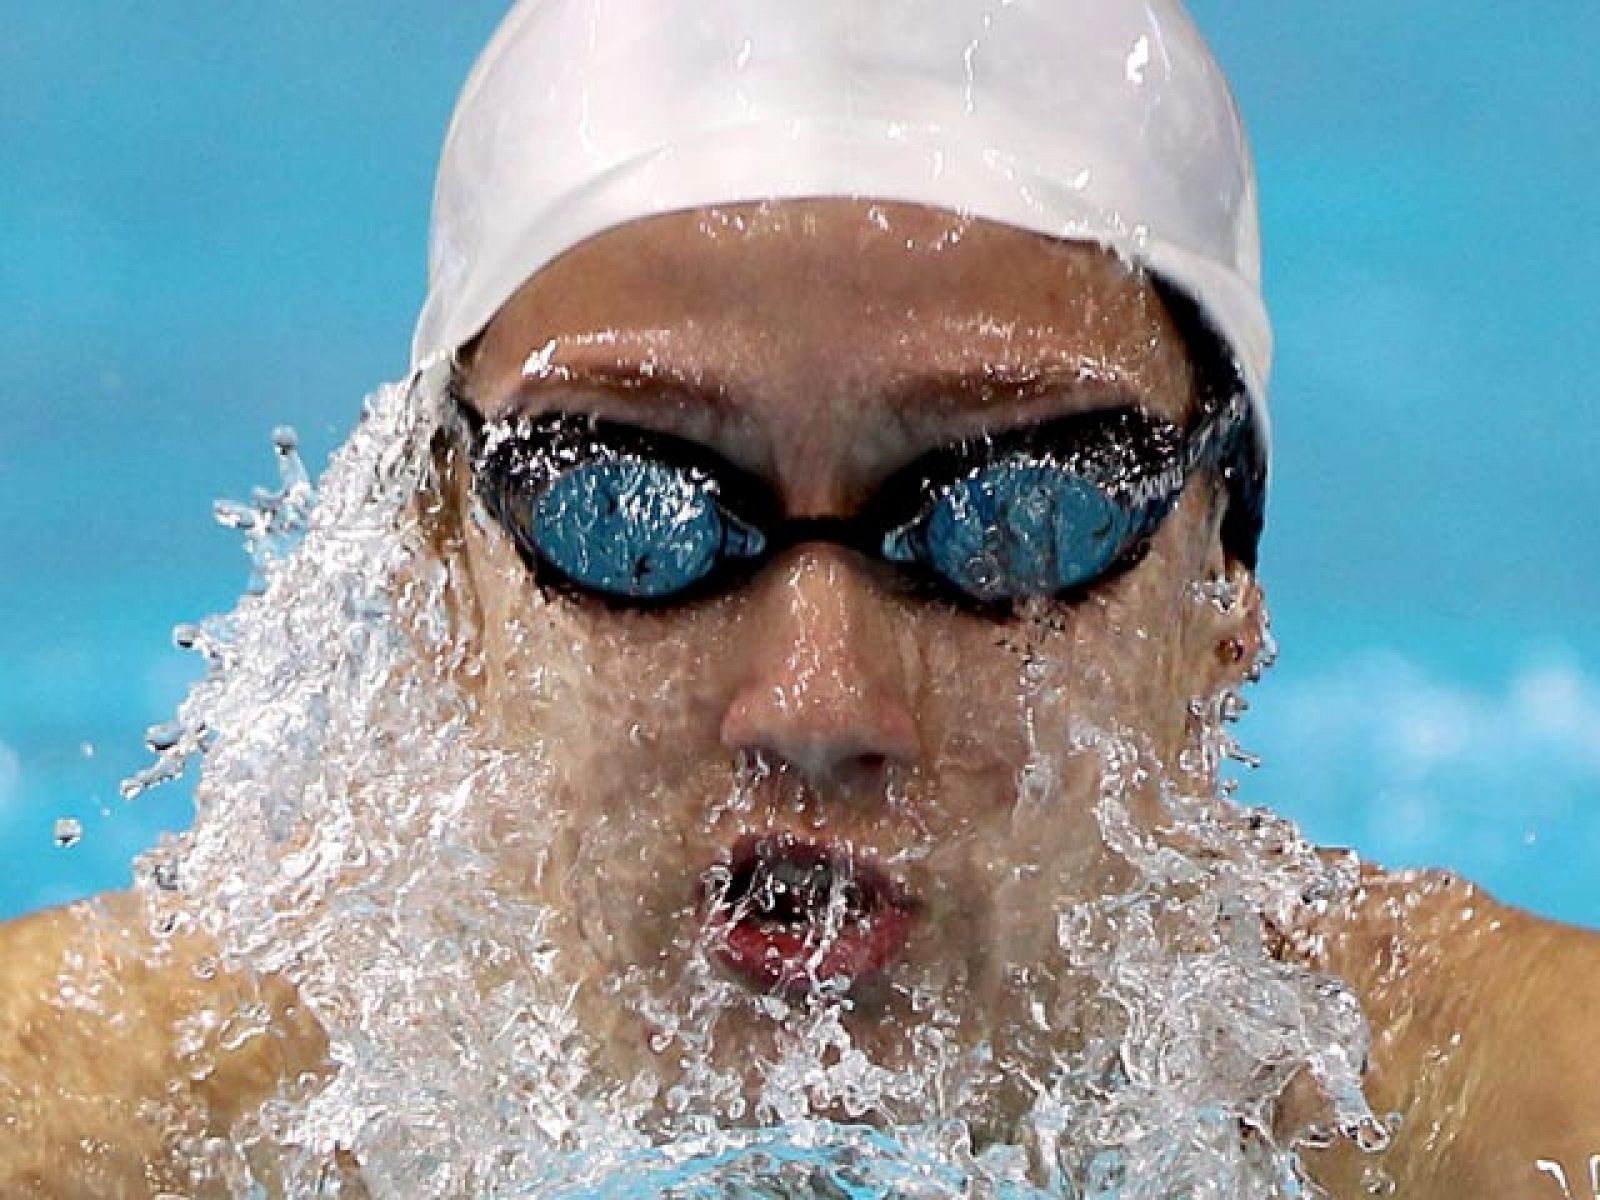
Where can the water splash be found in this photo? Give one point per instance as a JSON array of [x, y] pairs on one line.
[[273, 524], [362, 831], [275, 519]]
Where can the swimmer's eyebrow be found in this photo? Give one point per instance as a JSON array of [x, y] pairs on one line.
[[953, 394], [940, 393], [627, 381]]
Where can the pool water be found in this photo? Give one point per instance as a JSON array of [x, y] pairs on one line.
[[214, 223]]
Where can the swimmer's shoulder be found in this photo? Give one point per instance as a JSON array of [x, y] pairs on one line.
[[119, 1043], [1485, 1034]]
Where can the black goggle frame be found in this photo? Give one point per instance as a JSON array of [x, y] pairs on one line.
[[1140, 461]]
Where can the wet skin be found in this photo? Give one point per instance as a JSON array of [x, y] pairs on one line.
[[820, 345]]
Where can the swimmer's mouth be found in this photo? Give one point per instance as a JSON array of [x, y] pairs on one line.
[[794, 917]]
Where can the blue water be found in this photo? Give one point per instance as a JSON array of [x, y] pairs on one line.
[[212, 221]]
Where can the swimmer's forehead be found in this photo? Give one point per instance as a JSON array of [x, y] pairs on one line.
[[891, 300]]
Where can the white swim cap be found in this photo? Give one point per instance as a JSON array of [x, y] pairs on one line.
[[1098, 120]]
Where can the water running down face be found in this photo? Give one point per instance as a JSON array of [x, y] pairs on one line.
[[822, 744]]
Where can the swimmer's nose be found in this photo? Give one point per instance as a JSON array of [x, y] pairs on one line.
[[823, 686]]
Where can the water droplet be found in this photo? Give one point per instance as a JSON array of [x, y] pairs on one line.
[[1138, 59], [161, 738], [1557, 1172], [539, 364], [69, 832], [232, 515], [1372, 1136], [1377, 1182], [1242, 756], [1219, 591]]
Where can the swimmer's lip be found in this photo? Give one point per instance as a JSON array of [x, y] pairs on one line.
[[791, 958]]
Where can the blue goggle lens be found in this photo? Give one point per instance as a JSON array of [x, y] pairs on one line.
[[1015, 530], [632, 529]]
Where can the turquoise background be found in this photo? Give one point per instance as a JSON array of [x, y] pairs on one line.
[[213, 218]]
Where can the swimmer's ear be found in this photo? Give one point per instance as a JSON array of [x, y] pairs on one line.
[[1232, 639]]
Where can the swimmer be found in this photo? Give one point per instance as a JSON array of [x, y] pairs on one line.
[[824, 519]]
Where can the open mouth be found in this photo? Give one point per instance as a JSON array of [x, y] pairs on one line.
[[793, 917]]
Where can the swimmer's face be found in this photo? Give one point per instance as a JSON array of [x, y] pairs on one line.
[[948, 762]]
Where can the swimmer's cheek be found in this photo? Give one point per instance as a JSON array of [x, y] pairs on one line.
[[109, 1057]]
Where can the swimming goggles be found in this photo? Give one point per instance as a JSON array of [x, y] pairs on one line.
[[646, 519]]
